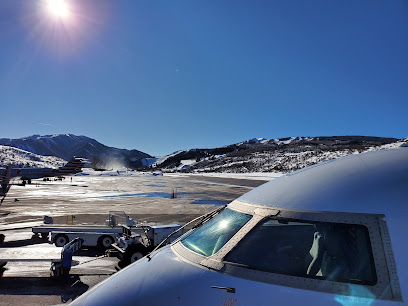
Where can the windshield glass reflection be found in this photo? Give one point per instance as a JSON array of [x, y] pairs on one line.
[[212, 236]]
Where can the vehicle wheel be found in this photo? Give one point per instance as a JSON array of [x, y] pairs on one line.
[[105, 241], [134, 254], [61, 240]]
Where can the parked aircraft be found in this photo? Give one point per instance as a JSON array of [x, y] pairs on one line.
[[5, 182], [74, 166], [330, 234]]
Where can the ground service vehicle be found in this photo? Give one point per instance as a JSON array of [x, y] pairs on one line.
[[132, 246], [92, 235]]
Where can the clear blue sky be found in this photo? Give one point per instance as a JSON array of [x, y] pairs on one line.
[[159, 76]]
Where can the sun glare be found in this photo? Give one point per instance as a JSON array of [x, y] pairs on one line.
[[58, 8], [64, 27]]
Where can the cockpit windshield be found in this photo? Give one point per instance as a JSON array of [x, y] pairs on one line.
[[332, 251], [212, 235]]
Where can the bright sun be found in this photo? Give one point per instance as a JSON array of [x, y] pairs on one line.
[[58, 8]]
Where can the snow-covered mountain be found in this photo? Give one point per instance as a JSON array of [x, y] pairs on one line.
[[66, 146], [23, 159], [272, 155], [255, 155]]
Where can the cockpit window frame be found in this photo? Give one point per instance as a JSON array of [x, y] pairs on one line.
[[386, 287], [371, 282]]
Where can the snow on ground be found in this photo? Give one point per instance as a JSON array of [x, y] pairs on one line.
[[265, 176], [401, 143], [120, 172]]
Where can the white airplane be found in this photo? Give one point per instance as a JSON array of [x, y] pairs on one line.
[[74, 166], [330, 234]]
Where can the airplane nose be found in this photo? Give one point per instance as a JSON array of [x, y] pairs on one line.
[[163, 280]]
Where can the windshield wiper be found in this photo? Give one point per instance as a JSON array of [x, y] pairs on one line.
[[206, 217], [201, 219]]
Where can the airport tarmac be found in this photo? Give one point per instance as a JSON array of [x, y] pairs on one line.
[[87, 200]]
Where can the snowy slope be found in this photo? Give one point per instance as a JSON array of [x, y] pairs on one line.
[[397, 144], [67, 146], [254, 155], [23, 159], [271, 155]]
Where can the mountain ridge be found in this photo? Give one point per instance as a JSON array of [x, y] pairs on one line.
[[66, 146], [253, 155], [270, 155]]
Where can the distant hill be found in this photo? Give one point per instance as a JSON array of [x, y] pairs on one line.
[[255, 155], [67, 146], [271, 155], [23, 159]]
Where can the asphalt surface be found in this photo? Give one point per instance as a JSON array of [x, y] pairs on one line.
[[88, 200]]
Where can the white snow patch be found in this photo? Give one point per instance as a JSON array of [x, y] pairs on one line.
[[25, 159], [120, 172], [264, 176], [401, 143], [186, 163]]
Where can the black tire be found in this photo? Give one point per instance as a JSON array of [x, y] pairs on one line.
[[134, 253], [105, 242], [60, 240]]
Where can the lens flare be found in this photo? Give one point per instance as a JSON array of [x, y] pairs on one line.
[[63, 28], [58, 8]]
